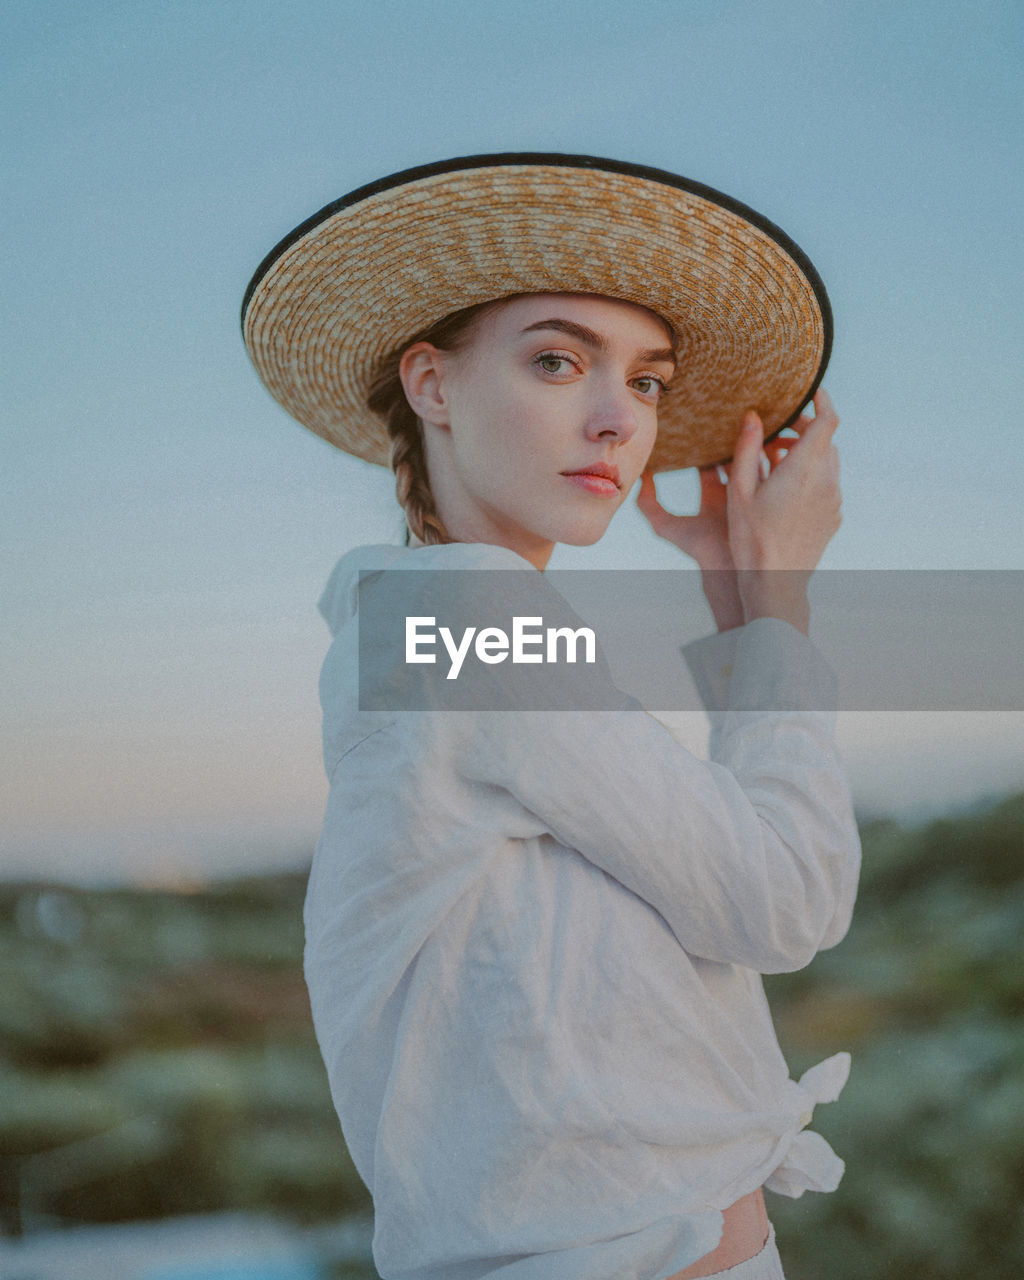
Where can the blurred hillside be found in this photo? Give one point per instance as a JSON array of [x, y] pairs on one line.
[[927, 993], [157, 1058]]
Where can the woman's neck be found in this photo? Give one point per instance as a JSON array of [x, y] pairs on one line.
[[539, 562]]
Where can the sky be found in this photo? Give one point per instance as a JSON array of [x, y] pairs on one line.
[[166, 529]]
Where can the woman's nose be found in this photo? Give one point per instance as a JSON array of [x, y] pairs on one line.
[[613, 416]]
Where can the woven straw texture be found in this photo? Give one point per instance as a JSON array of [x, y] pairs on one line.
[[368, 277]]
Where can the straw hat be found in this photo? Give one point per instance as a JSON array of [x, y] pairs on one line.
[[369, 272]]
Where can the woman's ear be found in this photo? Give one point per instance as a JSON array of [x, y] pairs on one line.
[[421, 369]]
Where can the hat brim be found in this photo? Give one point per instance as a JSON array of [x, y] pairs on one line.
[[375, 268]]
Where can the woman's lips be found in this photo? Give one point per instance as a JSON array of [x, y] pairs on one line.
[[600, 486], [600, 480]]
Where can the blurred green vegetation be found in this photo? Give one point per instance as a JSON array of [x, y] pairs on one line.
[[157, 1057], [927, 993]]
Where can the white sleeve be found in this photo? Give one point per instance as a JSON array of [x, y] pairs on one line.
[[752, 857]]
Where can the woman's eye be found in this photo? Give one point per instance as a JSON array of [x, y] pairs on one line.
[[555, 364], [648, 386]]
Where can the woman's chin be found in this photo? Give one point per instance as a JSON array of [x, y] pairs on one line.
[[584, 533]]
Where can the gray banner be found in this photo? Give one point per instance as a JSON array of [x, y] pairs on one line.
[[611, 639]]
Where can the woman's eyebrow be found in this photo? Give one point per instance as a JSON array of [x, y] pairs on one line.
[[574, 330], [594, 339]]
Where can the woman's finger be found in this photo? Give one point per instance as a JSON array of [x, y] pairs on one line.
[[800, 425], [746, 459], [778, 445], [823, 406], [647, 500], [712, 486], [823, 426]]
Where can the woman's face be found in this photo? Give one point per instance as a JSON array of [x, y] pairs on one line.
[[538, 426]]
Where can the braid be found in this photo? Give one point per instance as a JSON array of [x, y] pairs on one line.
[[412, 483], [405, 431]]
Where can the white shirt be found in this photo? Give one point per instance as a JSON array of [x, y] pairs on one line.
[[534, 943]]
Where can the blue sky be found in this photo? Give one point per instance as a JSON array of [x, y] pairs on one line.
[[166, 529]]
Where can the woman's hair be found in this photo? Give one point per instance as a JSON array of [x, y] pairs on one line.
[[407, 458]]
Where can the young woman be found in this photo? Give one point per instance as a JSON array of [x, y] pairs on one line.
[[534, 940]]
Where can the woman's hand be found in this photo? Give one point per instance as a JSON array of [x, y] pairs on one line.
[[776, 509], [780, 523], [705, 537]]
